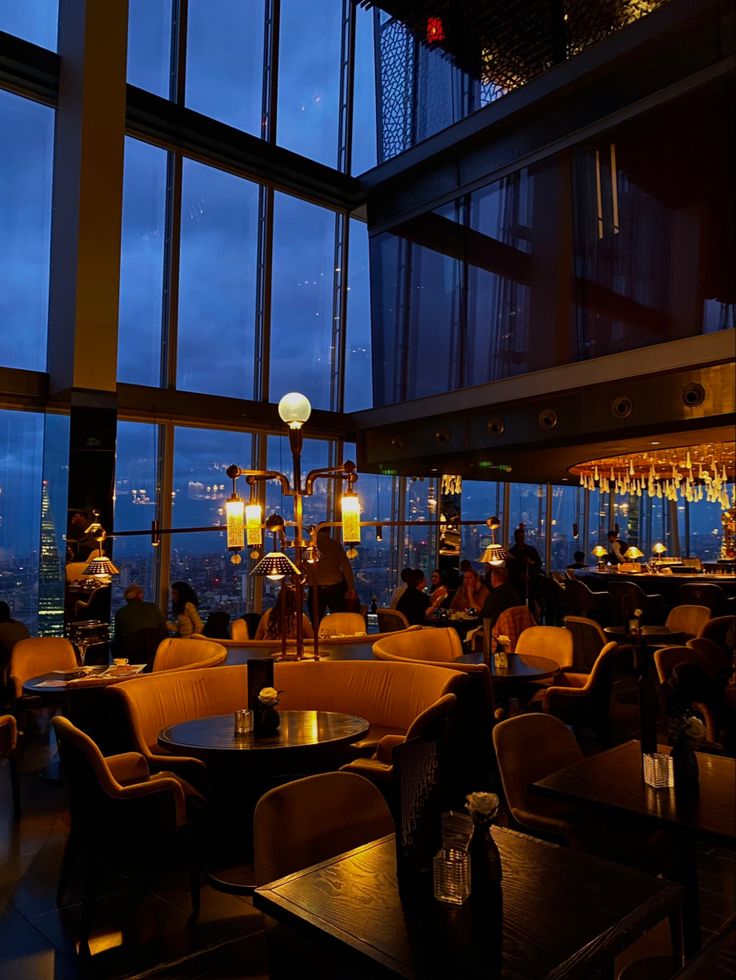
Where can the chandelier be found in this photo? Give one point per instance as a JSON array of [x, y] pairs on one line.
[[691, 473]]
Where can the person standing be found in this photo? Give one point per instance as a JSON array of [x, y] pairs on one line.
[[137, 614], [332, 575], [616, 548], [524, 565], [184, 603]]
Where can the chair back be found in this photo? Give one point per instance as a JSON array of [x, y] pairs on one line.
[[175, 653], [73, 570], [710, 595], [553, 642], [429, 644], [8, 734], [342, 624], [711, 655], [588, 639], [512, 622], [239, 631], [716, 629], [140, 647], [39, 655], [626, 597], [528, 748], [582, 600], [687, 619], [309, 820], [667, 658], [390, 620]]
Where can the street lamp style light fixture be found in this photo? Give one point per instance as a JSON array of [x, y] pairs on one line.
[[294, 409]]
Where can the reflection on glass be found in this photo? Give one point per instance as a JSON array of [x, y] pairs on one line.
[[374, 567], [309, 78], [142, 263], [201, 457], [358, 392], [364, 97], [33, 20], [21, 449], [149, 45], [420, 543], [526, 506], [567, 514], [136, 502], [53, 545], [479, 502], [217, 282], [302, 311], [25, 218], [225, 61]]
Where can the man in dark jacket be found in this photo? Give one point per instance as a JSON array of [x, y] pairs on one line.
[[502, 595]]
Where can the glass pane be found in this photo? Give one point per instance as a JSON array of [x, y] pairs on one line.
[[149, 45], [225, 61], [53, 550], [217, 282], [21, 451], [375, 576], [301, 314], [358, 388], [526, 506], [136, 499], [365, 137], [309, 78], [479, 502], [706, 530], [567, 527], [25, 218], [201, 457], [420, 543], [142, 263], [33, 20]]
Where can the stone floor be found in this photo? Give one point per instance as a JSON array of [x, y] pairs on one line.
[[142, 926]]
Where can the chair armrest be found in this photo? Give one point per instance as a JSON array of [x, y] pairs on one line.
[[8, 733], [128, 767], [156, 785], [565, 693], [538, 821], [370, 768], [385, 748]]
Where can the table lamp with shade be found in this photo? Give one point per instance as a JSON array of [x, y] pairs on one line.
[[632, 555], [600, 553], [658, 550]]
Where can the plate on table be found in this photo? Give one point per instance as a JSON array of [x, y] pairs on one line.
[[123, 670]]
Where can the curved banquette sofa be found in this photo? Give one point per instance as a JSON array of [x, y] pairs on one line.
[[428, 644], [389, 695]]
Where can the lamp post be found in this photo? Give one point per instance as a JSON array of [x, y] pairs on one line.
[[242, 521]]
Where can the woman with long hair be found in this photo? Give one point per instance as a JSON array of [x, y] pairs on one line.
[[271, 626], [184, 604]]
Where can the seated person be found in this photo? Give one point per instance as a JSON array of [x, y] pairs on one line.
[[415, 604], [11, 630], [184, 606], [217, 626], [437, 588], [502, 595], [270, 626], [472, 592], [135, 615], [579, 560], [400, 589]]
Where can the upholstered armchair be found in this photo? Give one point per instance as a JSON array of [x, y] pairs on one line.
[[8, 750], [175, 653], [342, 624], [114, 801], [390, 620]]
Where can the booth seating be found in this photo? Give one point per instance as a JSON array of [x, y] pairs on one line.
[[389, 695], [428, 644], [175, 653]]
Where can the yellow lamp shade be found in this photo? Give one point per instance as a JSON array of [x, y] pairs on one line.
[[659, 548], [253, 522], [599, 551], [633, 553], [234, 514], [350, 518]]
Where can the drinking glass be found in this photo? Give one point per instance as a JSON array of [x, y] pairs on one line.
[[658, 771], [451, 876]]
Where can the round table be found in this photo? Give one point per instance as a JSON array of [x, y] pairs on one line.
[[305, 741], [299, 731], [58, 685], [520, 667]]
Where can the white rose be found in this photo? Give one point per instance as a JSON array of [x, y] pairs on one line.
[[268, 695], [485, 804]]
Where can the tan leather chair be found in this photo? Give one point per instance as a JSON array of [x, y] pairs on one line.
[[712, 657], [390, 620], [588, 639], [309, 820], [175, 653], [428, 644], [667, 658], [379, 766], [682, 624], [39, 655], [585, 699], [8, 745], [528, 748], [342, 624], [239, 631], [112, 801], [552, 642]]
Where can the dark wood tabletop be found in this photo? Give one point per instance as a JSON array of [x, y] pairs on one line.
[[298, 730], [564, 914], [614, 780], [520, 667], [54, 684]]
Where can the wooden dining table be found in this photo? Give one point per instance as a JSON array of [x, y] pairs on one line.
[[563, 914], [612, 783]]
